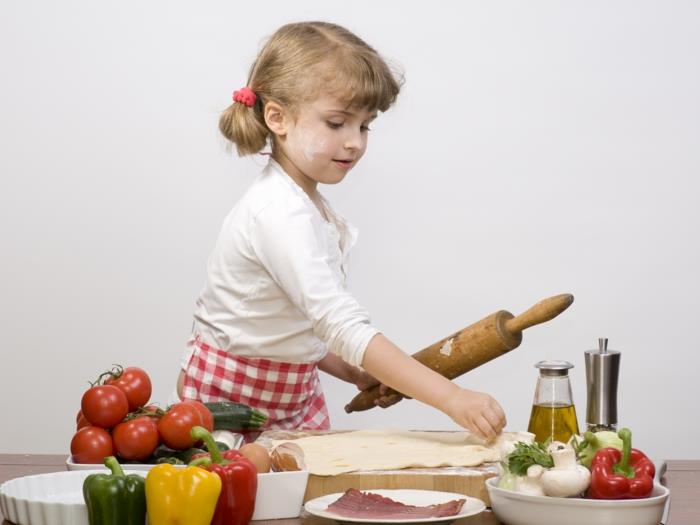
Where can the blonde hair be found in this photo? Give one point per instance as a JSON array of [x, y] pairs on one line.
[[297, 63]]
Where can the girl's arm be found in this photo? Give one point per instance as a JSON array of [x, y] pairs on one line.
[[334, 365], [476, 411]]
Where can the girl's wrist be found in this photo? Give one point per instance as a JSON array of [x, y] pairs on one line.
[[361, 379], [445, 397], [355, 376]]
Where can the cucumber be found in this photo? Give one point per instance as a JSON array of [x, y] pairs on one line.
[[169, 461], [187, 455], [164, 454], [229, 415]]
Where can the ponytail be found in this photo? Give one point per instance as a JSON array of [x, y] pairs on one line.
[[244, 127]]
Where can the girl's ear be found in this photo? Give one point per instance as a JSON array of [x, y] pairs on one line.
[[275, 118]]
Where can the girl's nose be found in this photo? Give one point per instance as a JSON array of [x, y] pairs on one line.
[[354, 140]]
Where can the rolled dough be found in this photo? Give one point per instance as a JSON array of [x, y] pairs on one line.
[[337, 453]]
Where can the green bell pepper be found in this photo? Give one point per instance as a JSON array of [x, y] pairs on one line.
[[115, 499]]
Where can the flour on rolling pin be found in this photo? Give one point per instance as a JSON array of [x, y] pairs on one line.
[[446, 349], [331, 454]]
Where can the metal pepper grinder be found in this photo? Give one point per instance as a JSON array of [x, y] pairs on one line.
[[602, 372]]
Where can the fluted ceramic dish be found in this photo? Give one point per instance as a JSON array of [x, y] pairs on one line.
[[47, 499]]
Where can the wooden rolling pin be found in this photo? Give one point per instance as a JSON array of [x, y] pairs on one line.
[[475, 345]]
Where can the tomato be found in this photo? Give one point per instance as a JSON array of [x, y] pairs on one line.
[[91, 445], [174, 427], [207, 418], [81, 421], [136, 439], [104, 405], [135, 383]]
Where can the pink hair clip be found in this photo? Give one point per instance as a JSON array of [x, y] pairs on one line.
[[246, 96]]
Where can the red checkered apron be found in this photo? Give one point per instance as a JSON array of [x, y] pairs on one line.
[[289, 394]]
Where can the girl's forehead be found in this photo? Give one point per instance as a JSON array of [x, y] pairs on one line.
[[328, 102]]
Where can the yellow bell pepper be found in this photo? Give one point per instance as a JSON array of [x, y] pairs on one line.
[[181, 496]]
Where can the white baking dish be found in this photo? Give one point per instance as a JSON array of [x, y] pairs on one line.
[[47, 499]]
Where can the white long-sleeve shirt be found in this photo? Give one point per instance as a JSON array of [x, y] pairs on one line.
[[276, 280]]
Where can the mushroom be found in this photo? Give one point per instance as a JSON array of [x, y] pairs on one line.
[[567, 478], [531, 483]]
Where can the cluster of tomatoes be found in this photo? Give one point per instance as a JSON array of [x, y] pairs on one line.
[[115, 419]]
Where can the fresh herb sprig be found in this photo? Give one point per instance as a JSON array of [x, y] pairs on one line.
[[527, 454], [580, 446]]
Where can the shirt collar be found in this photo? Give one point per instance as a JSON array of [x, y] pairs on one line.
[[350, 239]]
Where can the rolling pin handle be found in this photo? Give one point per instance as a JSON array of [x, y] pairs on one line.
[[368, 399], [364, 400], [543, 311]]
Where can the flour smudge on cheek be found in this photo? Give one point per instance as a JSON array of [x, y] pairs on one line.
[[310, 145]]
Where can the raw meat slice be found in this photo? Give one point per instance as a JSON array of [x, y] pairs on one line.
[[366, 505]]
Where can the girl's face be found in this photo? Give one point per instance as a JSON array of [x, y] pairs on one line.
[[324, 141]]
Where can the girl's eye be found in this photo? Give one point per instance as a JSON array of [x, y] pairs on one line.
[[334, 125], [365, 128]]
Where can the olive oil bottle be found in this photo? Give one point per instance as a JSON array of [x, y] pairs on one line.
[[555, 422], [553, 415]]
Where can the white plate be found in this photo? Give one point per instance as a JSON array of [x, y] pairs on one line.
[[516, 508], [47, 499], [420, 498]]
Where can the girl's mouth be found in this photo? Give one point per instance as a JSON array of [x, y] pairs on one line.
[[343, 163]]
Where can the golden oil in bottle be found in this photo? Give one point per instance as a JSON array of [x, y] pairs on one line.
[[553, 422], [553, 415]]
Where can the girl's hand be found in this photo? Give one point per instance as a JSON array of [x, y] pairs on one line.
[[478, 412], [363, 381], [334, 365]]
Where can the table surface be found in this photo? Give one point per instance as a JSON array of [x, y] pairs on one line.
[[681, 476]]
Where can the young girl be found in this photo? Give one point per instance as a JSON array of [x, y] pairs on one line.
[[275, 307]]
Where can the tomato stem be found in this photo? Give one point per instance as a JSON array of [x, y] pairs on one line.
[[113, 373], [145, 411]]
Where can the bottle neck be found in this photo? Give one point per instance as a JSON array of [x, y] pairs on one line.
[[553, 390]]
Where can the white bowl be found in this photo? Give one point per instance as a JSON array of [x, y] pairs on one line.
[[47, 499], [71, 465], [514, 508], [280, 495]]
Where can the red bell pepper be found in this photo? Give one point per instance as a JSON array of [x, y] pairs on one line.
[[239, 481], [621, 475]]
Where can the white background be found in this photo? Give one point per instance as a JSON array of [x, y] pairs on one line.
[[537, 148]]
